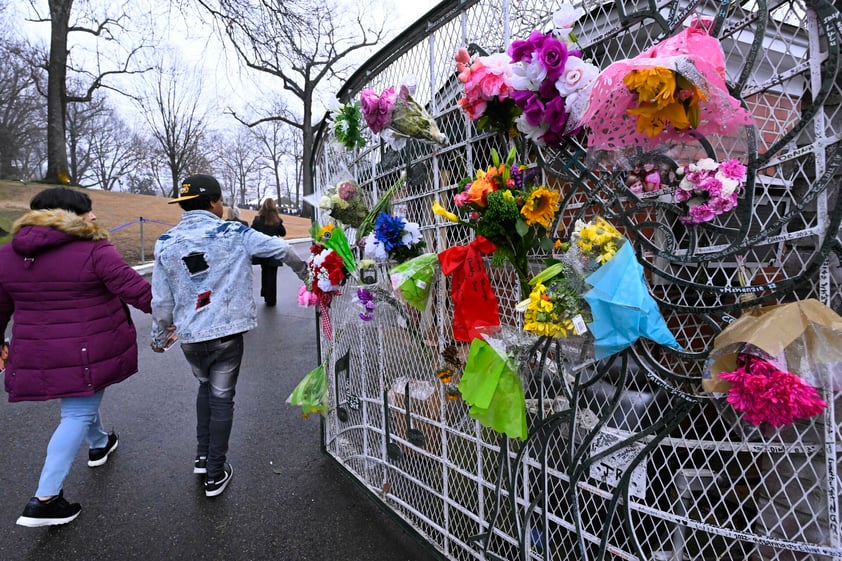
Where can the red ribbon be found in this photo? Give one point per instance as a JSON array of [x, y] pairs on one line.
[[474, 302], [326, 328]]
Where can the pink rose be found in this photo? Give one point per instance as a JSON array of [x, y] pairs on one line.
[[377, 109]]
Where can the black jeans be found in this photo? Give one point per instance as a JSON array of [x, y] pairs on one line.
[[216, 364], [269, 283]]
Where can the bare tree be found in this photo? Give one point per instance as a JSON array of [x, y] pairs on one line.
[[302, 45], [281, 146], [58, 62], [116, 152], [177, 122], [22, 112], [239, 163], [81, 124]]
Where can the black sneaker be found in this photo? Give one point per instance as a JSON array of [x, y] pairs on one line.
[[56, 511], [216, 485], [200, 465], [98, 456]]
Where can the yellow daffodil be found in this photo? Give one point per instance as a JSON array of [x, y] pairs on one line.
[[540, 207], [441, 211]]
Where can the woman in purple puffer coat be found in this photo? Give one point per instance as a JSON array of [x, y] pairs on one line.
[[68, 288]]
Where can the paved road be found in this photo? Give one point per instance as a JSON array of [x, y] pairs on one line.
[[287, 501]]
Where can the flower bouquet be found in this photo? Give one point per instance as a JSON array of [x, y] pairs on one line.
[[311, 393], [709, 188], [550, 81], [487, 82], [668, 93], [763, 393], [506, 205], [597, 240], [344, 202], [555, 307], [623, 310], [393, 238], [399, 112], [329, 265], [412, 280], [346, 126]]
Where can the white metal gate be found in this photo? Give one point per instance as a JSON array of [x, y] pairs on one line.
[[643, 465]]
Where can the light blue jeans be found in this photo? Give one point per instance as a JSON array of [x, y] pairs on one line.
[[80, 420]]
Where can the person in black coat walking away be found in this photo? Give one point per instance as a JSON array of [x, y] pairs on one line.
[[268, 221]]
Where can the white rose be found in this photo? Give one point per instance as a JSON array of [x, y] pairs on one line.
[[532, 133], [686, 185], [728, 185], [325, 203], [577, 74], [708, 164], [566, 16]]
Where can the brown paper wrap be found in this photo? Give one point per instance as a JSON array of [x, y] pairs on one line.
[[805, 334]]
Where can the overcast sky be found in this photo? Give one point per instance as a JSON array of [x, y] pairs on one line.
[[220, 71]]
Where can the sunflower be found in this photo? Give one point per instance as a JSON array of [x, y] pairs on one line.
[[540, 207]]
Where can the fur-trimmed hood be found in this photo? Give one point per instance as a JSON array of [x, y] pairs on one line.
[[39, 230]]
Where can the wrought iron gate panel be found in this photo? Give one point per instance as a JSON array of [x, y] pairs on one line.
[[626, 458]]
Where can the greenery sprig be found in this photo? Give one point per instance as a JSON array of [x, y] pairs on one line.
[[346, 126]]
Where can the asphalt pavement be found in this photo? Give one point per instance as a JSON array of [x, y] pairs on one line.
[[288, 501]]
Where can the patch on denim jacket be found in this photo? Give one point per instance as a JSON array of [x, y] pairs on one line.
[[196, 263], [203, 299]]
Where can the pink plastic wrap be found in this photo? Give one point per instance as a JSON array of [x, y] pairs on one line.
[[693, 54]]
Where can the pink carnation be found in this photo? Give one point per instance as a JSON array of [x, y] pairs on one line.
[[733, 169], [306, 298], [765, 394]]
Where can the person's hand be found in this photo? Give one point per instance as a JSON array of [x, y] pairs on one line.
[[170, 340]]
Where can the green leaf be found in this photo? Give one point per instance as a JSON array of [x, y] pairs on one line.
[[521, 227]]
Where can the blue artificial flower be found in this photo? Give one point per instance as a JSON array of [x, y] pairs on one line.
[[388, 230]]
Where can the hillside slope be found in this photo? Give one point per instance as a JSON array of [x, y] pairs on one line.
[[121, 213]]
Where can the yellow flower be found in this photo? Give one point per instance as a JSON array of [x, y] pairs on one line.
[[540, 207], [441, 211], [664, 97], [326, 229], [653, 85]]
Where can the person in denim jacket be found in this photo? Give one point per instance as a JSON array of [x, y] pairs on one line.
[[202, 284]]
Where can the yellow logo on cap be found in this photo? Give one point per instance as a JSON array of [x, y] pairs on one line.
[[185, 188]]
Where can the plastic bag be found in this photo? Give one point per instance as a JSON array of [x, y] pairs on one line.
[[412, 280], [311, 393]]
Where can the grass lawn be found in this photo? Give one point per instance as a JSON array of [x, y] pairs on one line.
[[114, 210]]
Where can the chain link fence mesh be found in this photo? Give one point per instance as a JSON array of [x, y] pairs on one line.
[[637, 462]]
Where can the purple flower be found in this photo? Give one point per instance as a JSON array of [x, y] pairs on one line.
[[532, 106], [553, 56], [366, 298], [522, 50]]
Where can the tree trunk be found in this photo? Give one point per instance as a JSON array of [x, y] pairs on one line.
[[57, 170]]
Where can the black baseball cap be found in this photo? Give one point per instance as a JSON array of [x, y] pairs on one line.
[[196, 185]]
